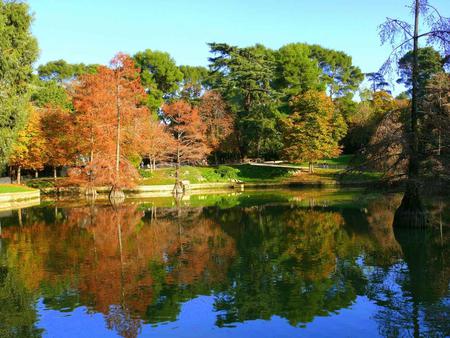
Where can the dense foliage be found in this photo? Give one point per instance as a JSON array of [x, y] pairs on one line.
[[301, 103]]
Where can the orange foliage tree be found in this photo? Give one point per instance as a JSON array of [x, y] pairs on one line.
[[217, 118], [108, 105], [156, 142], [60, 142], [185, 124]]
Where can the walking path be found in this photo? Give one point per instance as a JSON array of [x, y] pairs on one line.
[[275, 165]]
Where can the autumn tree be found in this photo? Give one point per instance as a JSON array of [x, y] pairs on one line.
[[186, 126], [60, 140], [436, 120], [217, 118], [314, 129], [108, 104], [155, 141], [28, 151]]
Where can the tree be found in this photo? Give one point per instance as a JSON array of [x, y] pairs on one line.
[[370, 112], [19, 51], [297, 71], [338, 72], [436, 122], [313, 130], [108, 105], [60, 139], [50, 93], [156, 142], [185, 124], [430, 62], [411, 212], [160, 76], [216, 116], [194, 82], [28, 151], [378, 82], [243, 76], [62, 71]]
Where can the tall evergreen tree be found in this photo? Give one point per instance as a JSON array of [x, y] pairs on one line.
[[18, 52]]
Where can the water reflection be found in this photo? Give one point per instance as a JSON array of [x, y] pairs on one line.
[[287, 255]]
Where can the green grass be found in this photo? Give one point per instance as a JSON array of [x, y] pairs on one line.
[[245, 173], [249, 173], [258, 174], [341, 161], [192, 174], [9, 188]]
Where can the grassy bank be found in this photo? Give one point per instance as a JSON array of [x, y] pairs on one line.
[[257, 174], [243, 173], [11, 188], [246, 173]]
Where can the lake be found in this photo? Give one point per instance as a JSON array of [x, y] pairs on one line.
[[282, 263]]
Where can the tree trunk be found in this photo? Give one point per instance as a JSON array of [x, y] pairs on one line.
[[116, 195], [311, 168], [54, 174], [154, 163], [118, 131], [19, 172], [413, 168], [19, 215], [411, 212], [178, 188], [36, 174]]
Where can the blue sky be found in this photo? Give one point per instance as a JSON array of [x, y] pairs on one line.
[[92, 31]]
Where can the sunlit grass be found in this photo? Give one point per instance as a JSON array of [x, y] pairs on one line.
[[9, 188]]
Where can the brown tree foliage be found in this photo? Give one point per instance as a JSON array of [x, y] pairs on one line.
[[109, 105], [57, 127], [217, 118], [186, 126], [156, 142]]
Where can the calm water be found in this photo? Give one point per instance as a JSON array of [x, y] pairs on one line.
[[268, 264]]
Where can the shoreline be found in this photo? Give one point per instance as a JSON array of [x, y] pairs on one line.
[[11, 200], [144, 191]]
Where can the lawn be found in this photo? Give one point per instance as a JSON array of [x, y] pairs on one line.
[[257, 174], [342, 162], [8, 188], [244, 173]]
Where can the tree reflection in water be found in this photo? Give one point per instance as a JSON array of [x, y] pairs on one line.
[[137, 264]]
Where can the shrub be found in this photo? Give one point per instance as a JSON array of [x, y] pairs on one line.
[[41, 183], [227, 172], [145, 173]]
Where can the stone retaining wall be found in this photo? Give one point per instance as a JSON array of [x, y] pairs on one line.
[[13, 199]]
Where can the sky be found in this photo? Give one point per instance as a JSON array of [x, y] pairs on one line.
[[93, 31]]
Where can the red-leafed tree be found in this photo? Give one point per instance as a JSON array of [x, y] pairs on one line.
[[217, 118], [185, 124], [156, 142], [108, 105], [58, 131]]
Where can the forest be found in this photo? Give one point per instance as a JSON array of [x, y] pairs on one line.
[[98, 125]]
